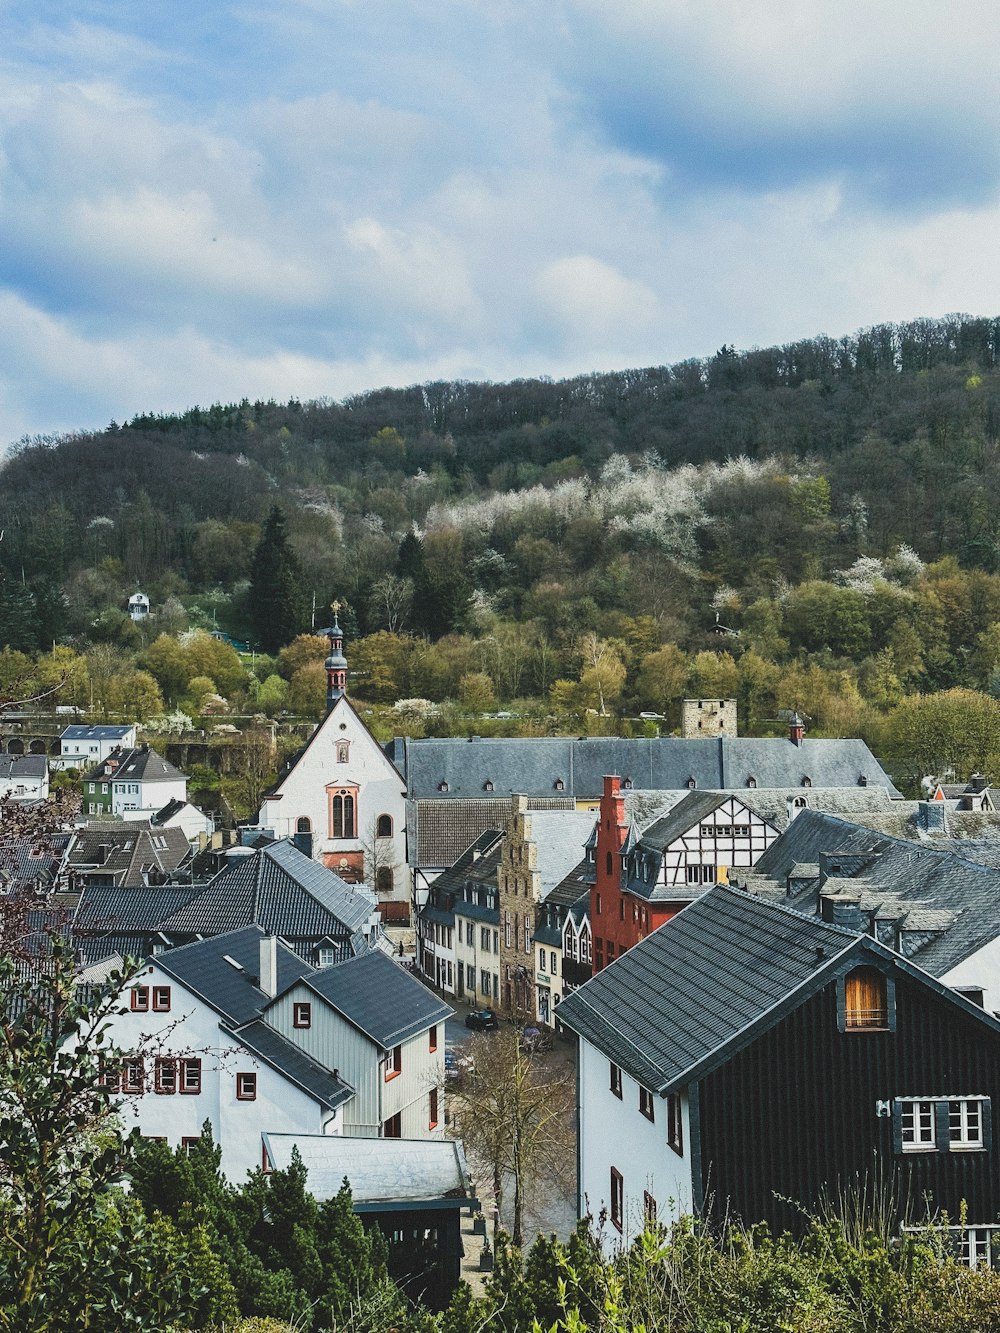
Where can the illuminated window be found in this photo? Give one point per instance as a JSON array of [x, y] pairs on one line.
[[866, 999]]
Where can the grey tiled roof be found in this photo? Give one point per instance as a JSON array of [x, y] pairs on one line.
[[278, 888], [912, 874], [140, 764], [533, 765], [560, 837], [689, 990], [80, 731], [325, 1085], [572, 887], [231, 991], [380, 997], [14, 766], [128, 852], [441, 829], [25, 862], [105, 910]]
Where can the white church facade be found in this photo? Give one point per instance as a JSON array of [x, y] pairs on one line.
[[345, 796]]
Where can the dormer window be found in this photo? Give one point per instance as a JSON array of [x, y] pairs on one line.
[[626, 784], [442, 786], [799, 802], [559, 785], [807, 781], [751, 781], [691, 784], [487, 785]]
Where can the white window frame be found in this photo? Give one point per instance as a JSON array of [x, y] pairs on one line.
[[917, 1119]]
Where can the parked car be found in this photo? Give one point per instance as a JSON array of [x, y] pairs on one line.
[[451, 1069], [482, 1020]]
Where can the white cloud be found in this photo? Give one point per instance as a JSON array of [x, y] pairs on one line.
[[313, 199]]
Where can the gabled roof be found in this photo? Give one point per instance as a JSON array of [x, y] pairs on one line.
[[724, 970], [324, 1085], [15, 766], [381, 998], [342, 704], [533, 765], [128, 852], [108, 910], [26, 862], [559, 838], [278, 888], [918, 874], [143, 765], [232, 991]]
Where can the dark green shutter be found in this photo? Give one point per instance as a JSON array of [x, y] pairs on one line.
[[897, 1128], [986, 1111], [941, 1128]]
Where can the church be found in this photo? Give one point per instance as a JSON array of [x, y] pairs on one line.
[[343, 799]]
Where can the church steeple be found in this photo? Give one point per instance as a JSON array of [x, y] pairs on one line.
[[336, 663]]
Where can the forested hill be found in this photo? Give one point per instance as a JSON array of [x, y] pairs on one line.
[[833, 503]]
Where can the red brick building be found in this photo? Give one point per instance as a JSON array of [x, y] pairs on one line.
[[622, 911]]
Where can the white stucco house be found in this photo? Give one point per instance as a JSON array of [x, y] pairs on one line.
[[82, 746], [24, 777], [239, 1031]]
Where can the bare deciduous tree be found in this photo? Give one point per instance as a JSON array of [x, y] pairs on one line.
[[514, 1112]]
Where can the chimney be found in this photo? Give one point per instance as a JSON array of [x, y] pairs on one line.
[[978, 782], [796, 730], [843, 910], [269, 965]]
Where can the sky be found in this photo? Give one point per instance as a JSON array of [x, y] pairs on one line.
[[205, 201]]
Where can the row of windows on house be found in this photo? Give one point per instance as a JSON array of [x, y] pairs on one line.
[[171, 1074]]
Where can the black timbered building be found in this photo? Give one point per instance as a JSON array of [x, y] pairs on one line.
[[758, 1064]]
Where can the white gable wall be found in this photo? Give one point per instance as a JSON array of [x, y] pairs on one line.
[[191, 1028], [303, 794], [730, 836], [338, 1044], [614, 1133]]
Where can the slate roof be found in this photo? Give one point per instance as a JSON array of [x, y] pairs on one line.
[[533, 765], [278, 888], [440, 830], [128, 852], [382, 1172], [106, 910], [704, 985], [26, 862], [80, 731], [894, 877], [231, 991], [380, 997], [559, 838], [19, 766], [686, 991], [140, 764], [325, 1085]]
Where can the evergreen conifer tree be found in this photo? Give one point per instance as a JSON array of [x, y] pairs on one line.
[[277, 597]]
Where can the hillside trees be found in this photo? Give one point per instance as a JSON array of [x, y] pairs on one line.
[[277, 595]]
